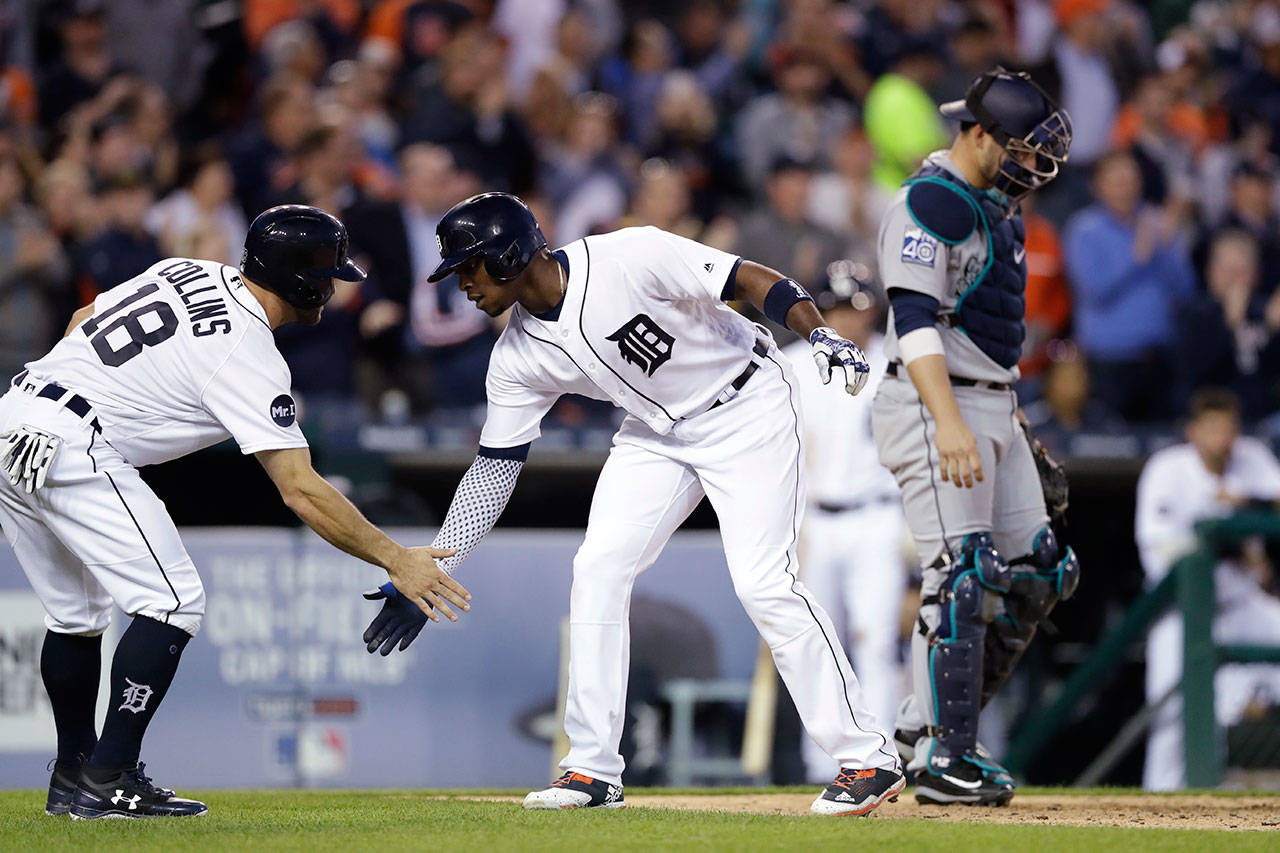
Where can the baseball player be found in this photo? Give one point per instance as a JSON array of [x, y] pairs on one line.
[[851, 539], [638, 317], [946, 424], [1210, 476], [173, 360]]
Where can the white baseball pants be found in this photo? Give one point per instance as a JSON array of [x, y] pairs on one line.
[[95, 532], [746, 456]]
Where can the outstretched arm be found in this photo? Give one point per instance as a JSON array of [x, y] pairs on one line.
[[323, 508], [481, 497]]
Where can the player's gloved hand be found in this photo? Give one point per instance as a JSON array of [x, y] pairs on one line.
[[427, 585], [26, 455], [399, 621], [830, 350]]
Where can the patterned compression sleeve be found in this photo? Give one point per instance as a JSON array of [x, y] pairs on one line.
[[476, 505]]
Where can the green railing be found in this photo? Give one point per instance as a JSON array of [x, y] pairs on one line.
[[1190, 583]]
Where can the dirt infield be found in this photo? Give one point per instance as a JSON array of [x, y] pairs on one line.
[[1130, 810]]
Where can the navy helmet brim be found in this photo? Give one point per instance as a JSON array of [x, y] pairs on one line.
[[957, 110], [349, 271], [451, 263]]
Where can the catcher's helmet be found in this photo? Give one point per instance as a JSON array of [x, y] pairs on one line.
[[498, 227], [1023, 119], [296, 251]]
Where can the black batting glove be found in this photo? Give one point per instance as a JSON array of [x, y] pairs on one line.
[[399, 621]]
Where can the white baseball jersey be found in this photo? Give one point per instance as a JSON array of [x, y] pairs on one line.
[[641, 324], [177, 359], [911, 259], [1176, 490]]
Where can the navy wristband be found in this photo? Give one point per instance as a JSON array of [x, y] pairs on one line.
[[785, 293]]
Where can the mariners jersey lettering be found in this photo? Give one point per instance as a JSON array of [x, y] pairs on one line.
[[176, 359], [642, 324], [912, 259]]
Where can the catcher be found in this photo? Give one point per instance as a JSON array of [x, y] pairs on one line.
[[946, 423]]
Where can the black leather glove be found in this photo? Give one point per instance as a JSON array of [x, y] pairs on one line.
[[399, 621]]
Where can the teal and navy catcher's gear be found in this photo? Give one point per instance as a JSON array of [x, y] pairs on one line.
[[1039, 581], [1024, 121], [296, 251], [976, 576], [497, 227], [993, 304]]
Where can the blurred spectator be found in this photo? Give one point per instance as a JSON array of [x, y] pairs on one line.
[[780, 236], [1090, 67], [1235, 337], [449, 338], [1163, 136], [332, 21], [1252, 209], [799, 120], [360, 88], [417, 31], [67, 204], [1128, 272], [261, 154], [581, 175], [975, 49], [846, 200], [35, 278], [686, 139], [1255, 96], [1065, 407], [662, 199], [327, 159], [85, 64], [901, 117], [175, 61], [1048, 296], [889, 25], [468, 112], [1210, 476], [293, 49], [713, 47], [200, 219], [125, 248], [635, 76]]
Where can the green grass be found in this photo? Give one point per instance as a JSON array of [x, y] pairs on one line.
[[415, 820]]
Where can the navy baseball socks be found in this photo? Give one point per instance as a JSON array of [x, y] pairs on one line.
[[70, 666], [113, 784]]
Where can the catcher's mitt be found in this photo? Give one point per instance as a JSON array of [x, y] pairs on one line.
[[1053, 478]]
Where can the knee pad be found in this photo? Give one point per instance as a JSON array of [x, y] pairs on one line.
[[1040, 579]]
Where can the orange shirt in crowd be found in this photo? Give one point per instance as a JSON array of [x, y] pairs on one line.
[[1186, 122], [1048, 296], [261, 15]]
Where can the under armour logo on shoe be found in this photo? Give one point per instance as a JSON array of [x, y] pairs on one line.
[[708, 267], [135, 697], [121, 798]]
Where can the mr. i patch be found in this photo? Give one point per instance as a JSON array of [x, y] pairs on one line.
[[919, 247]]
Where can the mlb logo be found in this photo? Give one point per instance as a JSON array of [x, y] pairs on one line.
[[919, 248]]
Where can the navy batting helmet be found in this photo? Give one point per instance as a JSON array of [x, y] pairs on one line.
[[1023, 120], [296, 251], [497, 227]]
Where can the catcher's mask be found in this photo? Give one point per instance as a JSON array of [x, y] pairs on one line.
[[1023, 120]]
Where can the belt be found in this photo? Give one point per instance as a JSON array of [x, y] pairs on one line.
[[761, 349], [961, 381], [854, 506], [70, 400]]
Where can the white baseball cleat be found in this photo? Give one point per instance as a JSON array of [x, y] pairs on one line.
[[575, 791], [857, 792]]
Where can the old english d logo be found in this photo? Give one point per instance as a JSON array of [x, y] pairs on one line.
[[643, 343]]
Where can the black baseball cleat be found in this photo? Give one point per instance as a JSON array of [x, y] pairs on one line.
[[575, 791], [129, 794], [857, 792], [965, 783], [62, 787]]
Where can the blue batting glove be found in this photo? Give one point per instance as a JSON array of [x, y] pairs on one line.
[[399, 621], [830, 350]]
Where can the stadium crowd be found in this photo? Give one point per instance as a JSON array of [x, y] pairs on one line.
[[778, 129]]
